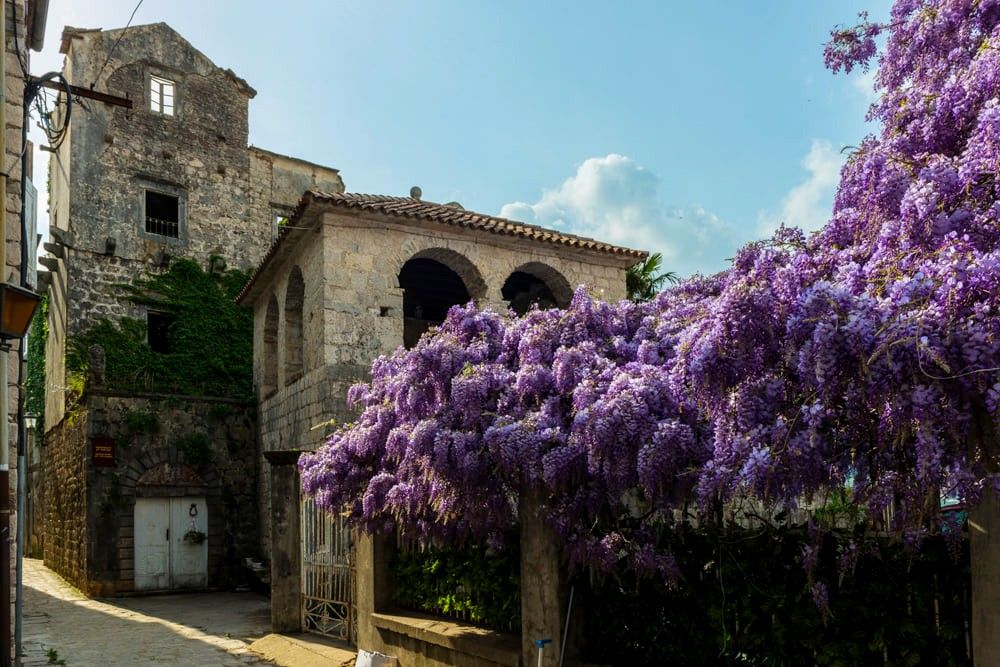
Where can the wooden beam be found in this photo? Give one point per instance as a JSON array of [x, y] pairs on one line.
[[107, 98]]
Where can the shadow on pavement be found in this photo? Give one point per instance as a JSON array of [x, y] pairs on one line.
[[187, 630]]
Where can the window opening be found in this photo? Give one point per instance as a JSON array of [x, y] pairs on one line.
[[294, 297], [158, 331], [161, 95], [162, 214], [269, 381]]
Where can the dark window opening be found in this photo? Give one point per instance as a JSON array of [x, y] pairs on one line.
[[162, 214], [158, 331], [269, 381], [294, 298], [429, 289], [523, 290]]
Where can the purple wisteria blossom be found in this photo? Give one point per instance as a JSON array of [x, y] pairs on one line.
[[864, 356]]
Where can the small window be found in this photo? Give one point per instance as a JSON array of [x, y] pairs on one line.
[[158, 331], [162, 214], [161, 95]]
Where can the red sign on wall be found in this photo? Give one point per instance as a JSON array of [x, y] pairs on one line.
[[103, 452]]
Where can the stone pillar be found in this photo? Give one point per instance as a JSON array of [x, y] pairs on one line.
[[541, 612], [372, 577], [984, 549], [286, 543]]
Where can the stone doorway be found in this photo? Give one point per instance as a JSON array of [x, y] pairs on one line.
[[171, 543]]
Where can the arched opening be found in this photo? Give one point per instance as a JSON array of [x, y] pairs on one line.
[[294, 298], [269, 380], [430, 288], [536, 284]]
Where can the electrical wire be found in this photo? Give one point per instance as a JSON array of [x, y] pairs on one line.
[[17, 46], [36, 93], [112, 51]]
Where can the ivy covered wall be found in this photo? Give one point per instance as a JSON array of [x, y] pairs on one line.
[[195, 342]]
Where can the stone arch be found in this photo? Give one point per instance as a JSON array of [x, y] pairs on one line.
[[161, 471], [174, 475], [433, 280], [461, 265], [269, 377], [294, 302], [535, 283]]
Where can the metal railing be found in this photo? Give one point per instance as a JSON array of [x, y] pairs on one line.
[[161, 227]]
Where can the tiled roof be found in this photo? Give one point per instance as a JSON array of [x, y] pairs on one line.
[[447, 214], [406, 207]]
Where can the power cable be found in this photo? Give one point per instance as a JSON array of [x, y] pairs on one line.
[[112, 51], [17, 46]]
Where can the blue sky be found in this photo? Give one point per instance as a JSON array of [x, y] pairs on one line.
[[687, 128]]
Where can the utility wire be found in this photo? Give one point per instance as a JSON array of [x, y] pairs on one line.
[[17, 47], [112, 51]]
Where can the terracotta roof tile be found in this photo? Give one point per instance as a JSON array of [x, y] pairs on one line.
[[417, 209], [452, 215]]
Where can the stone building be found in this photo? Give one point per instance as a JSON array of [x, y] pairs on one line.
[[353, 277], [130, 191], [24, 32]]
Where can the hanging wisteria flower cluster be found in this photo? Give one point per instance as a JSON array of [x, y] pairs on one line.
[[863, 357]]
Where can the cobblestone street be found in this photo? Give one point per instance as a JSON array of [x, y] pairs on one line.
[[187, 630]]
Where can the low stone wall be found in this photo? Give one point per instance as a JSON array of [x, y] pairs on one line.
[[424, 641]]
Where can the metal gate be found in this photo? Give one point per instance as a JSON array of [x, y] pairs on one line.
[[328, 581]]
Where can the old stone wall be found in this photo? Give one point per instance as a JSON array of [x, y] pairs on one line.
[[229, 194], [277, 182], [199, 153], [64, 508], [165, 446], [292, 417], [352, 311], [18, 62]]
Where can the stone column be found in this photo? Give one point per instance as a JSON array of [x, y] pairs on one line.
[[541, 612], [286, 542], [372, 577], [984, 549]]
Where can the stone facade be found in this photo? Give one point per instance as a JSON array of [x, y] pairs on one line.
[[23, 32], [228, 195], [352, 310], [131, 190], [90, 509], [340, 288]]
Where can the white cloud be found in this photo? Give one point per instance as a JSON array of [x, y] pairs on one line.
[[808, 205], [614, 199], [864, 83]]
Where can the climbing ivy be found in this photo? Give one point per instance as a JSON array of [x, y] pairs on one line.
[[208, 338], [34, 382], [196, 448], [468, 583], [743, 598]]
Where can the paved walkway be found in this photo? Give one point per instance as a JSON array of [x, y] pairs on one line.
[[187, 630]]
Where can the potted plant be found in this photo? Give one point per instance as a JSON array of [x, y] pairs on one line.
[[194, 537]]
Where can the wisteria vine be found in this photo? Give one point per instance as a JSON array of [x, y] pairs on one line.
[[863, 357]]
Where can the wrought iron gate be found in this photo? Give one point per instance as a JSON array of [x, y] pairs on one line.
[[328, 581]]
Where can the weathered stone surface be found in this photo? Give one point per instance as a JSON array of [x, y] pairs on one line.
[[285, 553], [984, 553], [229, 193], [89, 513]]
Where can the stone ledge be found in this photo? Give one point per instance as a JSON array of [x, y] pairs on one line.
[[497, 647]]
